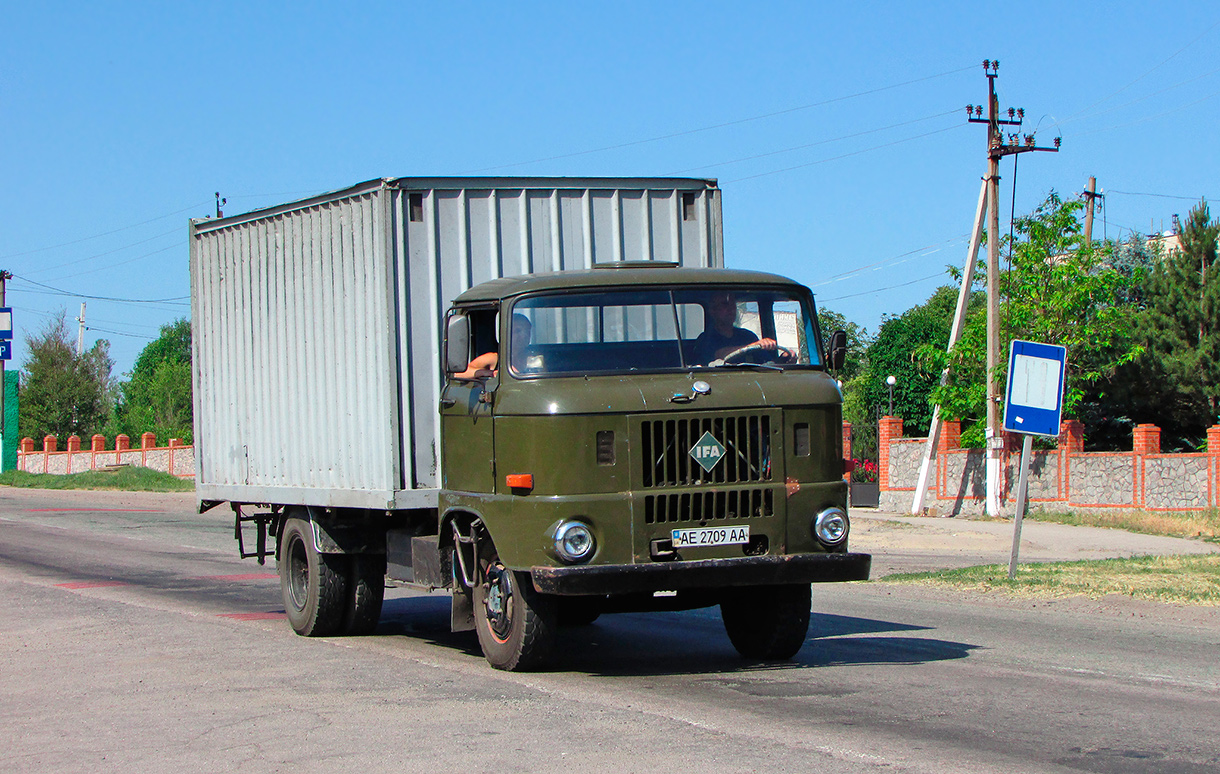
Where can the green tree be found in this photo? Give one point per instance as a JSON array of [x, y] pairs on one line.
[[62, 393], [1180, 330], [893, 353], [858, 342], [157, 397], [1056, 290]]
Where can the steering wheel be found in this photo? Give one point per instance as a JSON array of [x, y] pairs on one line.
[[785, 354]]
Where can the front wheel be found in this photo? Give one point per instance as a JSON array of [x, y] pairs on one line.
[[314, 585], [515, 624], [769, 623]]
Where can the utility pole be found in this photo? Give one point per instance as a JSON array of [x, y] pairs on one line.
[[4, 277], [997, 149], [80, 332], [1091, 194]]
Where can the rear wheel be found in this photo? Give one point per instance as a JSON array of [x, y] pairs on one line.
[[769, 623], [314, 585], [515, 624]]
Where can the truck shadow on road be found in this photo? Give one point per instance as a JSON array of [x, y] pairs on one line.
[[691, 642]]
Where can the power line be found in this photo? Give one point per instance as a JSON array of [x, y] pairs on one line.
[[120, 263], [845, 155], [1146, 74], [105, 298], [120, 333], [1159, 196], [894, 261], [108, 252], [814, 144], [723, 125], [887, 287], [107, 233], [1080, 117], [1150, 118]]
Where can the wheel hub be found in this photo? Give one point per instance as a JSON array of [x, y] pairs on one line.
[[498, 600]]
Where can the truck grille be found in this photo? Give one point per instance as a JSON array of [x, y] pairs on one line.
[[706, 506], [667, 443]]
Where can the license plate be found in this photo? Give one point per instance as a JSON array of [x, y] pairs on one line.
[[710, 536]]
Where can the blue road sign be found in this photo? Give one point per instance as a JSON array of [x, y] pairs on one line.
[[6, 323], [6, 349], [1034, 400]]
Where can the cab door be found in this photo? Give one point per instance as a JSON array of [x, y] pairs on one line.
[[468, 461]]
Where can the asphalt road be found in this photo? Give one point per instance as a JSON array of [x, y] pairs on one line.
[[131, 638]]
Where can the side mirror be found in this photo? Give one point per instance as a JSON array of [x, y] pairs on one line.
[[838, 350], [457, 344]]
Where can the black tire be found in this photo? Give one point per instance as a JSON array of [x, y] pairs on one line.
[[769, 623], [314, 585], [366, 592], [515, 624]]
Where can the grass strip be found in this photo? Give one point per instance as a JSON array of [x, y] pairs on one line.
[[1199, 525], [1188, 580], [131, 479]]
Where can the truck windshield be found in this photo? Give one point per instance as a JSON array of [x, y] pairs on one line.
[[642, 330]]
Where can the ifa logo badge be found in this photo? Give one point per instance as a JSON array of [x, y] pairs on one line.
[[707, 451]]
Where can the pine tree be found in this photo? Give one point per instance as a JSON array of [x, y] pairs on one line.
[[62, 393], [1181, 330]]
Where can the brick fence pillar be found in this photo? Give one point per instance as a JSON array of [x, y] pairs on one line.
[[121, 444], [148, 440], [27, 448], [888, 429], [1071, 436], [950, 436], [50, 444], [1146, 439], [74, 443], [1213, 450]]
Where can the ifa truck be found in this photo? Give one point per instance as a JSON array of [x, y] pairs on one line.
[[543, 396]]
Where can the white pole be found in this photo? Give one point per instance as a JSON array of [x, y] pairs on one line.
[[80, 333], [959, 322]]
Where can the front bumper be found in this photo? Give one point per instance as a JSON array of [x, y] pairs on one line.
[[707, 573]]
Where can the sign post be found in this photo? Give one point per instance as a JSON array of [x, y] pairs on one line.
[[1033, 406]]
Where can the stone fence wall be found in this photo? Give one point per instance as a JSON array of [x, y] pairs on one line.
[[176, 459], [1061, 478]]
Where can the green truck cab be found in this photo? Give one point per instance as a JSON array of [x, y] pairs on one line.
[[650, 437]]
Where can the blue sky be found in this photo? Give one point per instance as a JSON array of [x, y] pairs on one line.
[[837, 131]]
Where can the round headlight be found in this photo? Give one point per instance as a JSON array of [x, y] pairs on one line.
[[830, 526], [574, 541]]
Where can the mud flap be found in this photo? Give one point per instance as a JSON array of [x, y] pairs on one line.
[[461, 616]]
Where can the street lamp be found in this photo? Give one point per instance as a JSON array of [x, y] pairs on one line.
[[890, 382]]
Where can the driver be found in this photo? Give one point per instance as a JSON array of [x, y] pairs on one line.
[[722, 335], [488, 364]]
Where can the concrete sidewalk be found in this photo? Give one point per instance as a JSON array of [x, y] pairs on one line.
[[917, 544]]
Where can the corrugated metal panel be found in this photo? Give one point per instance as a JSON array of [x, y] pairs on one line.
[[317, 324]]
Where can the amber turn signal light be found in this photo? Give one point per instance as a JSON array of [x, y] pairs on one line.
[[520, 480]]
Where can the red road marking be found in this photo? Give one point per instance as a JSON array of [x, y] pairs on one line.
[[94, 510], [253, 616], [90, 584], [245, 577]]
